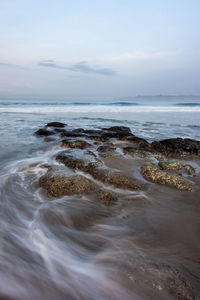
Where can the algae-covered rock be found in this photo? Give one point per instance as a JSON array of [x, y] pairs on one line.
[[176, 165], [91, 165], [170, 165], [176, 147], [75, 144], [115, 179], [83, 161], [62, 181], [152, 173], [107, 150]]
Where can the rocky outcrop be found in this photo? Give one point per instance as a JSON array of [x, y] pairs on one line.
[[152, 173], [75, 144], [58, 185], [83, 161], [61, 181], [91, 165], [44, 132], [56, 124], [106, 150], [115, 179], [176, 147], [176, 165]]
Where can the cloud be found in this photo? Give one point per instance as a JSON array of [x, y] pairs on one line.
[[82, 67]]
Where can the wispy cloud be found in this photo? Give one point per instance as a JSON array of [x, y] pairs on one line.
[[82, 67]]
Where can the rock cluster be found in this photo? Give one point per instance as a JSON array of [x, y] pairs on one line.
[[86, 150], [152, 173]]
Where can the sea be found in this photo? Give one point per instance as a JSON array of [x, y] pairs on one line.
[[44, 259]]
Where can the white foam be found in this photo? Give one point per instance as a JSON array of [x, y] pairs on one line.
[[95, 109]]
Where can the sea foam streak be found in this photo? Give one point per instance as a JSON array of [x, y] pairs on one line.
[[97, 108]]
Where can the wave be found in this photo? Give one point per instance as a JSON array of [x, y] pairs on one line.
[[68, 103], [123, 103], [187, 104], [97, 109]]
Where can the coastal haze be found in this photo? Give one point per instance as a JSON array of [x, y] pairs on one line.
[[122, 80]]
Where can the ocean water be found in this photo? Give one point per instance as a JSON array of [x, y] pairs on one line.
[[45, 251]]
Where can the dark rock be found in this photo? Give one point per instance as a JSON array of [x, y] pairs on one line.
[[75, 144], [56, 124], [118, 129], [152, 173], [119, 132], [59, 130], [44, 132], [108, 147], [176, 146], [138, 142], [72, 133], [83, 162]]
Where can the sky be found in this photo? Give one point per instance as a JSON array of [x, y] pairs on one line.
[[99, 49]]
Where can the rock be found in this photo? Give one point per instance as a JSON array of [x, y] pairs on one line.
[[61, 181], [113, 178], [44, 132], [152, 173], [106, 150], [138, 142], [119, 132], [71, 133], [190, 170], [166, 278], [75, 144], [74, 160], [132, 151], [56, 124], [176, 147], [105, 197], [170, 165], [175, 165], [90, 165]]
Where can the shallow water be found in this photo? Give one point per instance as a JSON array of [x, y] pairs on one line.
[[72, 248]]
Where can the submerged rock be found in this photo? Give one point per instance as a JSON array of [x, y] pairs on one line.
[[166, 278], [75, 144], [44, 132], [106, 150], [83, 161], [115, 179], [56, 124], [138, 142], [152, 173]]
